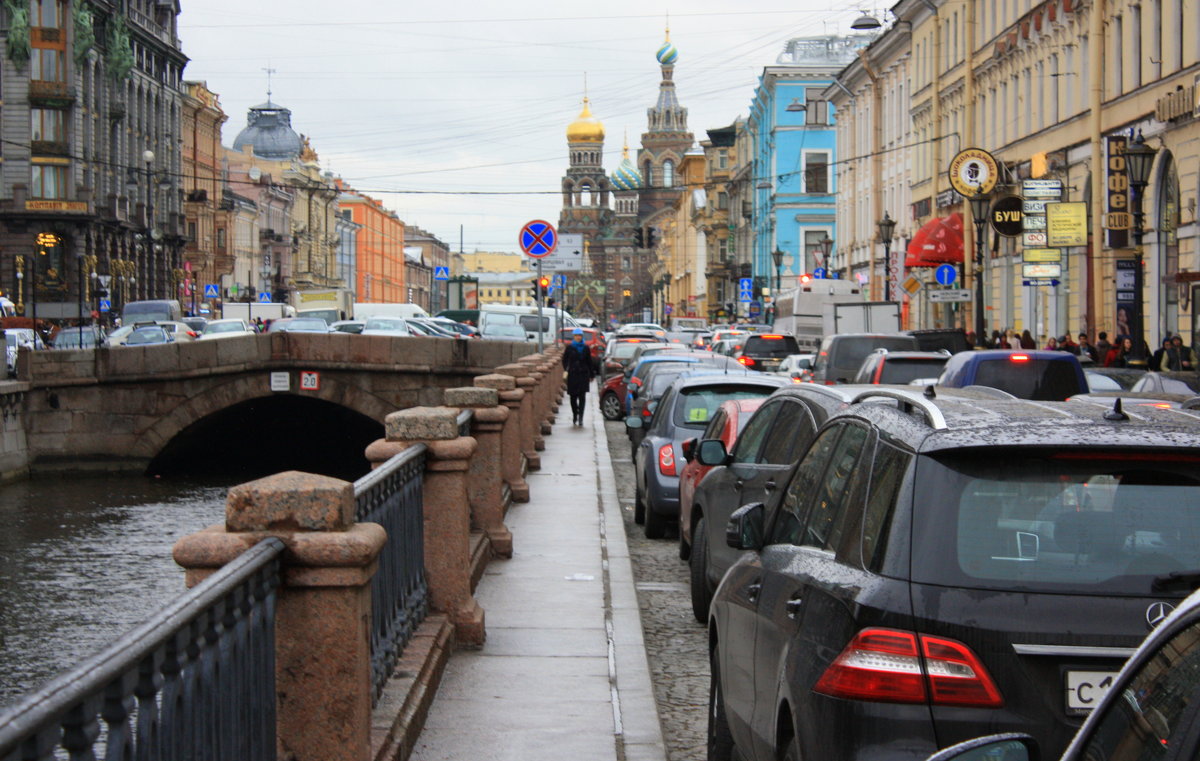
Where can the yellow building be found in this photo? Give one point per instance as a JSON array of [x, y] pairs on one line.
[[489, 261], [1051, 89], [683, 251]]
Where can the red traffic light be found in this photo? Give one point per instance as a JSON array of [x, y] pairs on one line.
[[544, 282]]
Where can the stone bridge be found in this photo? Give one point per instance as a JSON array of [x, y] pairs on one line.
[[188, 407]]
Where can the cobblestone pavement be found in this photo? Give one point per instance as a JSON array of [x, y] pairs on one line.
[[676, 644]]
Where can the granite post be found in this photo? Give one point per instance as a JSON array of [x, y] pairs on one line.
[[446, 506], [525, 382], [511, 467], [323, 612], [484, 477]]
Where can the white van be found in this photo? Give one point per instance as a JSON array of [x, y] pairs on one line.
[[153, 310], [362, 311], [527, 317]]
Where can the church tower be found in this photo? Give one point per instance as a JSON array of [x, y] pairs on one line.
[[665, 140], [586, 211]]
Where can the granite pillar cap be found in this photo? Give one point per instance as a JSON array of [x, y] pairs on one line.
[[515, 370], [496, 381], [290, 501], [472, 396], [422, 424]]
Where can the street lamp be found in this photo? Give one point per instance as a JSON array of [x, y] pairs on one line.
[[979, 212], [1139, 159], [827, 249], [886, 226], [777, 257]]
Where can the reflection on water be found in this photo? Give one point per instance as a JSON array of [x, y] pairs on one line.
[[83, 560]]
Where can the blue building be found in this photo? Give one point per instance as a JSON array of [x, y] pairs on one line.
[[794, 149]]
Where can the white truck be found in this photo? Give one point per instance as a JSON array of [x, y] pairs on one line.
[[365, 310], [800, 311], [864, 317], [330, 304], [250, 311]]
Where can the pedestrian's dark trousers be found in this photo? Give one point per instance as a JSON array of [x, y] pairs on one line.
[[577, 404]]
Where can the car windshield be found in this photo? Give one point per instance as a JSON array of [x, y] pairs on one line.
[[492, 329], [1077, 521], [694, 407], [146, 336], [302, 323], [1043, 380], [906, 370], [530, 323], [225, 327]]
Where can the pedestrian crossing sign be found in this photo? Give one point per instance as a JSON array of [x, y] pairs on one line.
[[264, 298], [441, 273], [211, 292]]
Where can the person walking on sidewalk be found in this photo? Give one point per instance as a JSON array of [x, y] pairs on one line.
[[577, 360]]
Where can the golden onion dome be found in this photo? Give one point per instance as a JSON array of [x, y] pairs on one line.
[[587, 128]]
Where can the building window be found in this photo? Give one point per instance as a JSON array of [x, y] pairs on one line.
[[722, 199], [191, 231], [816, 112], [49, 181], [816, 172], [48, 13], [46, 65], [668, 174], [221, 238], [48, 125], [626, 264], [722, 159]]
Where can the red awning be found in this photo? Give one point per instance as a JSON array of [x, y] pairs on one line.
[[939, 241]]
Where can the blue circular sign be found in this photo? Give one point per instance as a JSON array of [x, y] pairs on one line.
[[538, 238], [946, 274], [819, 273]]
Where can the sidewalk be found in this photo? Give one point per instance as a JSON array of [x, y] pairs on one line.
[[564, 671]]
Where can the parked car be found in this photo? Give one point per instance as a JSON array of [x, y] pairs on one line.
[[1110, 378], [1148, 712], [1135, 399], [658, 377], [348, 326], [840, 355], [299, 325], [462, 329], [900, 367], [937, 568], [197, 324], [682, 413], [17, 338], [952, 340], [86, 337], [749, 471], [180, 331], [384, 326], [1172, 382], [725, 426], [619, 353], [798, 367], [233, 327], [765, 351], [1038, 374], [148, 335], [418, 327]]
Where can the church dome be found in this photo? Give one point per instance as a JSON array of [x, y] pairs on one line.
[[667, 55], [587, 128], [626, 176], [269, 132]]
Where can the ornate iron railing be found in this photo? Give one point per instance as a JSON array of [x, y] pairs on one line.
[[392, 496], [197, 680]]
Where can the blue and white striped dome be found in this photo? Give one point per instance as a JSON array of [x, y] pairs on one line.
[[667, 55], [627, 176]]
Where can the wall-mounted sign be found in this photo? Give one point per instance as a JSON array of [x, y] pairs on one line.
[[1041, 188], [281, 381], [1117, 220], [1041, 270], [972, 171], [1033, 238], [1066, 224], [1041, 255]]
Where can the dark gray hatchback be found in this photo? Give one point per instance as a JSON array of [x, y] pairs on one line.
[[940, 568]]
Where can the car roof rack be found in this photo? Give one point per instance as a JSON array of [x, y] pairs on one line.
[[908, 402]]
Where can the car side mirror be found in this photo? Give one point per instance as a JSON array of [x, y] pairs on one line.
[[712, 452], [689, 449], [745, 528], [633, 421], [1012, 746]]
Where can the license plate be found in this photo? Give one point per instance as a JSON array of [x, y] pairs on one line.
[[1085, 689]]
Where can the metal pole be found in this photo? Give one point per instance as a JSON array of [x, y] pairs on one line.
[[1139, 343], [979, 243], [538, 298], [887, 270]]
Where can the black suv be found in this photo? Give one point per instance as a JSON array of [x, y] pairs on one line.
[[937, 568], [764, 351]]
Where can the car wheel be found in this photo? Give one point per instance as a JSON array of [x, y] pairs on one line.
[[701, 593], [720, 739], [639, 509], [610, 406], [685, 550], [656, 523]]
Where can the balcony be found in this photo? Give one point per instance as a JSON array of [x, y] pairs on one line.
[[55, 94]]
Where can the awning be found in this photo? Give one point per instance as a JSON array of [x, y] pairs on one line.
[[939, 241]]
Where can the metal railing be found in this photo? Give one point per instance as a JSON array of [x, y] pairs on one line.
[[197, 680], [392, 496]]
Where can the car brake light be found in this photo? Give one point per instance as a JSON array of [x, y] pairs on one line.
[[1019, 358], [666, 459], [747, 361], [775, 337], [883, 665]]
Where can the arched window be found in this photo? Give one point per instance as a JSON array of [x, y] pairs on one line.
[[668, 174], [585, 195], [647, 174]]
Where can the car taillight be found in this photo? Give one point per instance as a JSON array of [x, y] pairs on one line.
[[747, 361], [666, 459], [1019, 358], [883, 665], [775, 337]]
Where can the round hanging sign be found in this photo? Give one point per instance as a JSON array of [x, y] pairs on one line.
[[972, 171]]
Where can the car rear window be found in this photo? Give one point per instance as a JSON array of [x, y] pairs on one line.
[[1073, 521], [905, 370], [1046, 380], [770, 346], [848, 352], [694, 407]]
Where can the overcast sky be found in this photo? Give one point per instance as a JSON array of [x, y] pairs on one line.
[[454, 113]]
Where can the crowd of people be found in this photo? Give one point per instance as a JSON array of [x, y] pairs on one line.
[[1173, 354]]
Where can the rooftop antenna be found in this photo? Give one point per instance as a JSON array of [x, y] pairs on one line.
[[269, 71]]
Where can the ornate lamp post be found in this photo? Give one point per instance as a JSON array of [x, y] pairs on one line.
[[777, 257], [886, 226], [979, 211], [826, 252], [1139, 160]]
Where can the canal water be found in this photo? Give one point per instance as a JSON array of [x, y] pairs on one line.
[[83, 559]]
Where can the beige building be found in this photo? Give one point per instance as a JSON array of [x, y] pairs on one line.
[[683, 251], [489, 261], [1049, 89]]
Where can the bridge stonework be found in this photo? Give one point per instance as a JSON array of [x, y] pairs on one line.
[[116, 408]]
